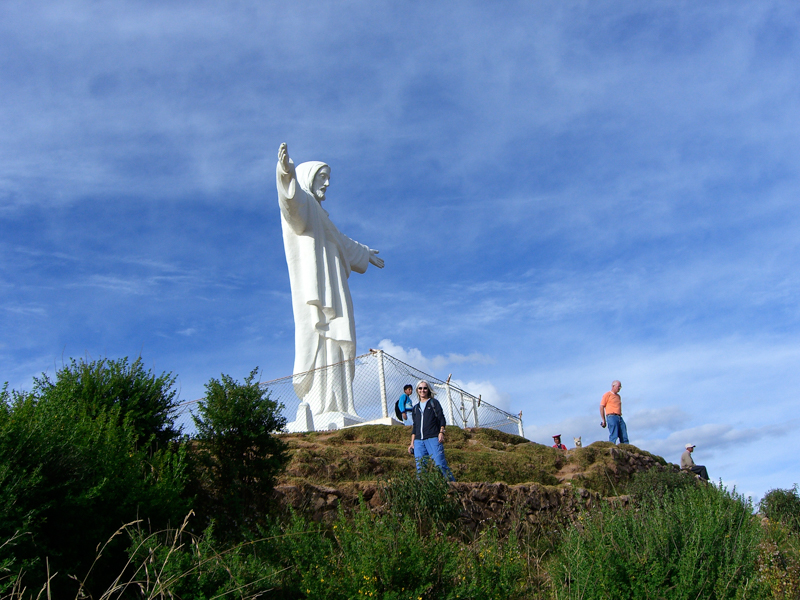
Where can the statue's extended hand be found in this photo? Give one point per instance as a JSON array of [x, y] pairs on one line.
[[283, 158], [373, 258]]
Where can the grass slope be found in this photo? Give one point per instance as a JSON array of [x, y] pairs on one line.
[[373, 452]]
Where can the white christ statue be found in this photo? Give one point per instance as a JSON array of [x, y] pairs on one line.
[[320, 260]]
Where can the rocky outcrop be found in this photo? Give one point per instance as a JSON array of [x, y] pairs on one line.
[[497, 504], [322, 503], [501, 505], [615, 464]]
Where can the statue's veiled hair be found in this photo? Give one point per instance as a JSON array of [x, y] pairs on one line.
[[306, 172]]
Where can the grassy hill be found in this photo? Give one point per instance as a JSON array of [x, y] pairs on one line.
[[375, 452]]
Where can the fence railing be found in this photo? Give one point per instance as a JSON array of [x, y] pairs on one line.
[[378, 381]]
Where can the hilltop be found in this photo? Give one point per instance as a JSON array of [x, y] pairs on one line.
[[495, 470]]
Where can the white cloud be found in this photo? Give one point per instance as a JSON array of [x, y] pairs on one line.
[[415, 358], [654, 419], [486, 391], [714, 438]]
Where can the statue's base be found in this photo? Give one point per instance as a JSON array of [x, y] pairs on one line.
[[330, 421], [304, 421], [384, 421]]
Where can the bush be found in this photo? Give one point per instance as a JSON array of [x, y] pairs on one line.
[[387, 557], [782, 506], [239, 456], [70, 474], [426, 498], [699, 542], [146, 401], [657, 484], [778, 562]]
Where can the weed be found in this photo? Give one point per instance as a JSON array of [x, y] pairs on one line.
[[782, 506], [657, 483], [698, 542], [426, 498]]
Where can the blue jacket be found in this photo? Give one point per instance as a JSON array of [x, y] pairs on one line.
[[404, 403], [433, 422]]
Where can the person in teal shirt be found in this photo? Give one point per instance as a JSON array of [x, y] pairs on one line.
[[404, 405]]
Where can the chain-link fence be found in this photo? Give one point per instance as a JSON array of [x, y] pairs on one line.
[[377, 382]]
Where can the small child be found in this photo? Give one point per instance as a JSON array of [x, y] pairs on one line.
[[404, 403]]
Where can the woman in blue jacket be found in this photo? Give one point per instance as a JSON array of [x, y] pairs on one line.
[[427, 432]]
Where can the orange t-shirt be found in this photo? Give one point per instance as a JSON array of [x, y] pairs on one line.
[[612, 402]]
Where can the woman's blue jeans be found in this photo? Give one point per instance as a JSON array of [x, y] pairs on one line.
[[431, 447]]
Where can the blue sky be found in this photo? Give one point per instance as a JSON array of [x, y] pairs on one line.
[[564, 193]]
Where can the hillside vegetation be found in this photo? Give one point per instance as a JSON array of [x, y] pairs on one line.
[[101, 496]]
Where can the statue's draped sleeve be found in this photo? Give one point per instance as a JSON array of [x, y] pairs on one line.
[[293, 209]]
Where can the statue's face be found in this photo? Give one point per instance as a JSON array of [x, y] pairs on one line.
[[321, 182]]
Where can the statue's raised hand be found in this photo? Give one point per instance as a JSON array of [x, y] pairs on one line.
[[373, 258], [283, 158]]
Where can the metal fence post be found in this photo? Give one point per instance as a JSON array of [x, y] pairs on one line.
[[475, 409], [519, 425], [450, 400], [382, 381]]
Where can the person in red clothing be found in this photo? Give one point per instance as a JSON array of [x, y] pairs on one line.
[[558, 444], [611, 411]]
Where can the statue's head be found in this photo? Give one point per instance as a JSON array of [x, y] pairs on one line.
[[314, 177]]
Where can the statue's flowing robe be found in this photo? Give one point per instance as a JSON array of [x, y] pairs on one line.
[[320, 259]]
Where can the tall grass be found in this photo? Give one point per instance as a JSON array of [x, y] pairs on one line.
[[694, 542], [424, 497]]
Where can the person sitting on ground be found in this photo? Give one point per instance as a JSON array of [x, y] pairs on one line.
[[558, 444], [687, 463], [404, 405]]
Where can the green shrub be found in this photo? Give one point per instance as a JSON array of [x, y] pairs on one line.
[[387, 557], [146, 401], [491, 568], [239, 456], [657, 483], [698, 542], [376, 557], [782, 506], [70, 474], [778, 563], [426, 498]]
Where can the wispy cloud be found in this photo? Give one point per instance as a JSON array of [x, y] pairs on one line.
[[414, 357], [713, 438]]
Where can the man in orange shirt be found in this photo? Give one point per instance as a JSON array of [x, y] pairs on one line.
[[611, 410]]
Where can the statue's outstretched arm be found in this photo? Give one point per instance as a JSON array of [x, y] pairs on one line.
[[284, 162]]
